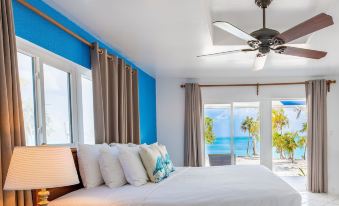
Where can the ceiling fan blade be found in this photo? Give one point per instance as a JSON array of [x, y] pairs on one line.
[[234, 30], [307, 27], [227, 52], [259, 62], [300, 52]]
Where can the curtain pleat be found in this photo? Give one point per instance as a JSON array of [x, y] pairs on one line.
[[316, 95], [194, 141], [11, 115], [98, 96], [136, 116], [115, 93], [129, 101], [122, 98]]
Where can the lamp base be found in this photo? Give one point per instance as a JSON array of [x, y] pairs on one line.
[[43, 197]]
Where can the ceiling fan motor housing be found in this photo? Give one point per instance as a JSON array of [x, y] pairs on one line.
[[266, 39], [263, 3]]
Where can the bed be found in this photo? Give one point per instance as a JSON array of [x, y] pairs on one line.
[[222, 185]]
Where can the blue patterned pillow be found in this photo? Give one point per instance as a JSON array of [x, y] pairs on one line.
[[167, 162], [153, 163]]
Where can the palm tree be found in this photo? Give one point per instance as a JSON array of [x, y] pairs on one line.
[[303, 139], [304, 127], [209, 134], [299, 109], [290, 144], [279, 143], [255, 135], [279, 121], [250, 125]]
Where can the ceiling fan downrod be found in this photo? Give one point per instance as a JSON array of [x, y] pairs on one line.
[[263, 4], [264, 18]]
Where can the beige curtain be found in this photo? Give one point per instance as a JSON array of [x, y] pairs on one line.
[[316, 94], [11, 116], [115, 98], [194, 140]]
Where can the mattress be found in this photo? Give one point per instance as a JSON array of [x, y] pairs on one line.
[[224, 186]]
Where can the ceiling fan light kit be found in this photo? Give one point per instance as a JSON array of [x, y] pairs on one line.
[[265, 40]]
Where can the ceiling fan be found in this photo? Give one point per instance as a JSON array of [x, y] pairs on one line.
[[266, 40]]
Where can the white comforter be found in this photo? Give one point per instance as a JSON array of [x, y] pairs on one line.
[[224, 186]]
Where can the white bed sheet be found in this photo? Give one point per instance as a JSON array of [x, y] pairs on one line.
[[224, 186]]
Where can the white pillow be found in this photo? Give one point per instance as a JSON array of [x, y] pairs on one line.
[[153, 162], [120, 144], [110, 167], [134, 170], [88, 158]]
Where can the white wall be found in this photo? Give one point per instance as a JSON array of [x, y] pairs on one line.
[[170, 117], [170, 113], [333, 138]]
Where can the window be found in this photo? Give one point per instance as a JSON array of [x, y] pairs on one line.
[[246, 132], [26, 76], [232, 133], [87, 110], [57, 105], [56, 98], [289, 127], [218, 137]]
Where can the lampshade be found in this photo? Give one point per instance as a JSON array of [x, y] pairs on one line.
[[41, 167]]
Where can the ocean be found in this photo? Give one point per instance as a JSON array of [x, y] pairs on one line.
[[222, 145]]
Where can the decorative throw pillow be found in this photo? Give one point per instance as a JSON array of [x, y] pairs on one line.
[[110, 167], [88, 157], [168, 164], [131, 164], [153, 163]]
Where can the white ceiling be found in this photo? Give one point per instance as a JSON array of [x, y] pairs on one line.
[[164, 36]]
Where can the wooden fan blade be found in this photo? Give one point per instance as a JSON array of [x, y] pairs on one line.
[[307, 27], [259, 62], [234, 30], [227, 52], [300, 52]]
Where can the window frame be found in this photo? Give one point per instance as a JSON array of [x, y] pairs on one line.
[[35, 96], [41, 56], [86, 73]]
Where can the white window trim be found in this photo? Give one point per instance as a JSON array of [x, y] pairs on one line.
[[41, 56]]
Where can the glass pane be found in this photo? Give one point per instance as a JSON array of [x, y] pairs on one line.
[[87, 110], [246, 125], [57, 105], [289, 123], [217, 134], [26, 76]]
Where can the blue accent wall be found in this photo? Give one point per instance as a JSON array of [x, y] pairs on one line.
[[37, 30], [147, 106]]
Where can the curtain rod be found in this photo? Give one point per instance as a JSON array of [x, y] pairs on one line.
[[328, 82], [60, 26]]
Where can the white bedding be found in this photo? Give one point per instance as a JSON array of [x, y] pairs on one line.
[[224, 186]]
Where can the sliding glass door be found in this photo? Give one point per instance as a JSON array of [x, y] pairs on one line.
[[232, 133], [289, 127], [217, 132], [246, 129]]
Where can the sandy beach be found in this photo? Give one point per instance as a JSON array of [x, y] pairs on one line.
[[280, 167]]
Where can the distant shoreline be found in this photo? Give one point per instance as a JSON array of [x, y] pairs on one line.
[[222, 145]]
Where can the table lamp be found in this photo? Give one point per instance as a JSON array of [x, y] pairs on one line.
[[40, 168]]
